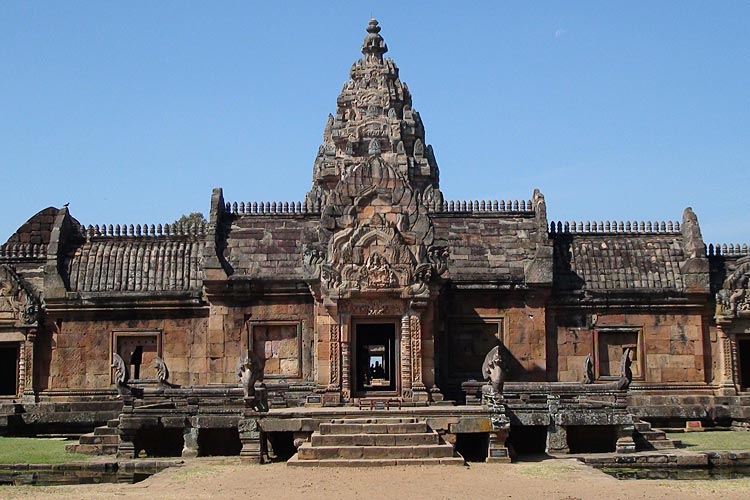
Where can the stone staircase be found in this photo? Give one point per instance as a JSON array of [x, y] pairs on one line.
[[647, 438], [103, 441], [366, 442]]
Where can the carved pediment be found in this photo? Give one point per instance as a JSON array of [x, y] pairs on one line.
[[377, 235], [733, 300], [18, 303]]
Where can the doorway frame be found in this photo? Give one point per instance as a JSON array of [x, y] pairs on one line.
[[355, 322]]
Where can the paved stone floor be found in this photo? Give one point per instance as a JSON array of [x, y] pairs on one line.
[[563, 479]]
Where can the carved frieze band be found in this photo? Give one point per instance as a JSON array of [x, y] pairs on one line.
[[335, 355], [345, 370], [406, 355], [416, 348]]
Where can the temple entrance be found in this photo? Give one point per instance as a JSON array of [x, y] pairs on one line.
[[8, 369], [375, 367], [743, 352]]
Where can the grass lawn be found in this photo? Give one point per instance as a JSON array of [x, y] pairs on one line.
[[716, 440], [36, 451]]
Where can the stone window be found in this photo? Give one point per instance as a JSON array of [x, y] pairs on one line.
[[610, 344], [279, 345], [469, 341], [138, 349]]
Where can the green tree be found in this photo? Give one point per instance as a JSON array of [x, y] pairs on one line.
[[189, 220]]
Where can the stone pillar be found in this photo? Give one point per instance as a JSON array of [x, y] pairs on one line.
[[419, 390], [346, 337], [497, 452], [333, 391], [557, 439], [26, 376], [190, 447], [728, 355], [406, 361], [251, 438], [625, 442]]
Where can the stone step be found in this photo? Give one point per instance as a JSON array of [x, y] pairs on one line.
[[409, 439], [92, 449], [91, 438], [653, 435], [309, 452], [642, 426], [114, 422], [374, 462], [106, 431], [378, 420], [392, 428]]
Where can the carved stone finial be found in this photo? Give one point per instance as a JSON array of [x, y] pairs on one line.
[[162, 372], [588, 370], [121, 370], [374, 46], [493, 369]]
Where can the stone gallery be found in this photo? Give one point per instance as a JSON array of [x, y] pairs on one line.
[[373, 320]]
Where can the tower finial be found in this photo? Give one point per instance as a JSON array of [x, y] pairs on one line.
[[374, 46]]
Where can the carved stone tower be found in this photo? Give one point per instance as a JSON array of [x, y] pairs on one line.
[[376, 260], [374, 117]]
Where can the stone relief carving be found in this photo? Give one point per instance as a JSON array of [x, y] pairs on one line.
[[335, 354], [733, 299], [378, 236], [17, 300]]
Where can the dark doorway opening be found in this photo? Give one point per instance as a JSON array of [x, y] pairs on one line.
[[527, 440], [743, 349], [473, 446], [158, 442], [281, 446], [8, 370], [375, 367], [592, 438], [219, 442]]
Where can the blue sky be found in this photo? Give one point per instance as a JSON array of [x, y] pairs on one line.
[[134, 111]]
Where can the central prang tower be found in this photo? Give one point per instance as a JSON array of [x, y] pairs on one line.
[[374, 117]]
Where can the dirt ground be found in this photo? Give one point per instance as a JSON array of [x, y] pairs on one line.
[[207, 479]]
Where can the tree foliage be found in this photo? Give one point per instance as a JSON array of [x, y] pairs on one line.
[[190, 219]]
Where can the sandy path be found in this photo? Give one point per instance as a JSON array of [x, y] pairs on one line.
[[207, 479]]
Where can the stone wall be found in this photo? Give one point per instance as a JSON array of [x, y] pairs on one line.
[[670, 346], [474, 317], [77, 354]]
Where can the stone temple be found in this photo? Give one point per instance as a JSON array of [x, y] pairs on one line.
[[363, 321]]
